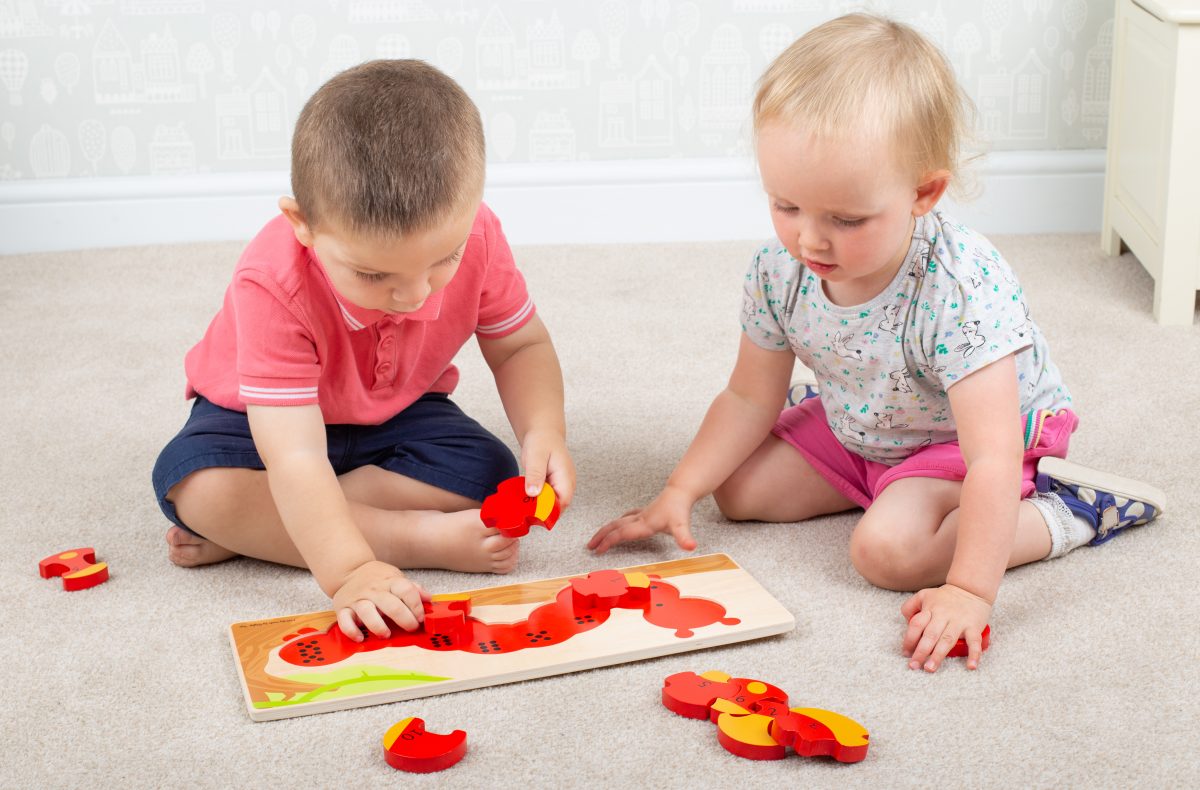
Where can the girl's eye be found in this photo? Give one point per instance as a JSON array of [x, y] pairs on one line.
[[784, 209], [849, 223], [371, 277]]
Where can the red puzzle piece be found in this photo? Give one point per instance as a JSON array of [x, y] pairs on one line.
[[77, 567], [408, 746], [757, 696], [512, 512], [960, 647], [813, 732], [692, 695]]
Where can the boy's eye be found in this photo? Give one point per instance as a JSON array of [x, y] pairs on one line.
[[782, 209], [849, 223], [455, 258], [371, 277]]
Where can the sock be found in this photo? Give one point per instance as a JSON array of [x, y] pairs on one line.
[[1067, 530]]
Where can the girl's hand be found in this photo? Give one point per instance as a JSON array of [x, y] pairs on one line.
[[545, 459], [937, 618], [374, 589], [670, 510]]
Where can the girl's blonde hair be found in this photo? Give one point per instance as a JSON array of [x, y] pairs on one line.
[[875, 78]]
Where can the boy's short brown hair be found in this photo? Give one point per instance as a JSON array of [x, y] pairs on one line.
[[387, 147]]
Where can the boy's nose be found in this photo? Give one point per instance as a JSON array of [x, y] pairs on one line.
[[412, 295]]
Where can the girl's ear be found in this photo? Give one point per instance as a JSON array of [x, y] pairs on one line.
[[929, 191], [291, 209]]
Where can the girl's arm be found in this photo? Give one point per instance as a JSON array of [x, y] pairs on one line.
[[738, 420], [987, 415]]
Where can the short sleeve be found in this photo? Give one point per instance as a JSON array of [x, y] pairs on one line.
[[277, 360], [504, 304], [977, 310], [767, 292]]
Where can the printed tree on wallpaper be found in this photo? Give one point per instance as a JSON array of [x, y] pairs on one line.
[[67, 69], [200, 63], [93, 140]]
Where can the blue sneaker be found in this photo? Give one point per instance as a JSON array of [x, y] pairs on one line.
[[801, 391], [1109, 502]]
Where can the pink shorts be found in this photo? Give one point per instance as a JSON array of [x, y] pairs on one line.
[[804, 427]]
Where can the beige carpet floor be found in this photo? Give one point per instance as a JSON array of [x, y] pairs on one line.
[[1092, 679]]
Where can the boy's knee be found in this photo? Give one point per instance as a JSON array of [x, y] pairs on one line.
[[884, 557], [208, 489], [499, 459]]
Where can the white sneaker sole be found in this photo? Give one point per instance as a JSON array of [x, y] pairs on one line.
[[1077, 474]]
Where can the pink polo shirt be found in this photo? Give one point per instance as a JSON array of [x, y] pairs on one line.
[[284, 337]]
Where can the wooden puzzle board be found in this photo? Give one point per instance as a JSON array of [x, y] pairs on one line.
[[513, 632]]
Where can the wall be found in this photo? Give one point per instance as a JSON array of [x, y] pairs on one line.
[[144, 100]]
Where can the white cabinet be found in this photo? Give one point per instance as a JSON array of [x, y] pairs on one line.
[[1152, 178]]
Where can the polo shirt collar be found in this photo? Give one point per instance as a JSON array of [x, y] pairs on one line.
[[357, 318]]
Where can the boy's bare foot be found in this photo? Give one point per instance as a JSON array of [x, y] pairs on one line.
[[188, 550], [454, 541]]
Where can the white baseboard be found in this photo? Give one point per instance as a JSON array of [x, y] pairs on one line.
[[654, 200]]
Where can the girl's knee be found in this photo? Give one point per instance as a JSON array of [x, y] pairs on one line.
[[735, 502], [885, 557]]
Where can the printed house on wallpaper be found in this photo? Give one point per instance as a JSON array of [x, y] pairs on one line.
[[251, 123], [1015, 106], [152, 77], [724, 77], [502, 65], [1097, 75]]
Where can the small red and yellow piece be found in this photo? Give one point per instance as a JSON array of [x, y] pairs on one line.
[[512, 512], [408, 746], [77, 567]]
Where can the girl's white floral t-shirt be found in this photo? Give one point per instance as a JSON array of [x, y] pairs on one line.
[[884, 366]]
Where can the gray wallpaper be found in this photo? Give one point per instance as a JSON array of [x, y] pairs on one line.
[[160, 87]]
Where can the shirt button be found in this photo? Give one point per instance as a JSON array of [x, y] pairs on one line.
[[383, 370]]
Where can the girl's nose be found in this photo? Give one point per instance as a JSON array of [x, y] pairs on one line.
[[810, 239]]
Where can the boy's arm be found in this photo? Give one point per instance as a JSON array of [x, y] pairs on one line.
[[986, 411], [736, 423], [529, 381], [314, 511]]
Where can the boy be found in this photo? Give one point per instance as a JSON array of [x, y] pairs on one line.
[[322, 435]]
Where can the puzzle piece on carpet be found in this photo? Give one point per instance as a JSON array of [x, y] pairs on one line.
[[512, 512], [813, 732], [753, 720], [408, 746], [960, 647], [77, 567]]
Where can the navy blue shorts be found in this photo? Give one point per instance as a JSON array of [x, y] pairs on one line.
[[432, 441]]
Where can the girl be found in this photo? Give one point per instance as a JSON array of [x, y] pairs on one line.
[[937, 393]]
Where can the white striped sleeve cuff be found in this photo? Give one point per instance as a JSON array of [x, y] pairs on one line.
[[509, 324], [282, 396]]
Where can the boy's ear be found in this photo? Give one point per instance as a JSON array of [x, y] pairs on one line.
[[291, 209], [933, 185]]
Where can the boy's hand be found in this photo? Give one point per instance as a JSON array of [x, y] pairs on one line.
[[545, 459], [937, 618], [376, 588], [670, 510]]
